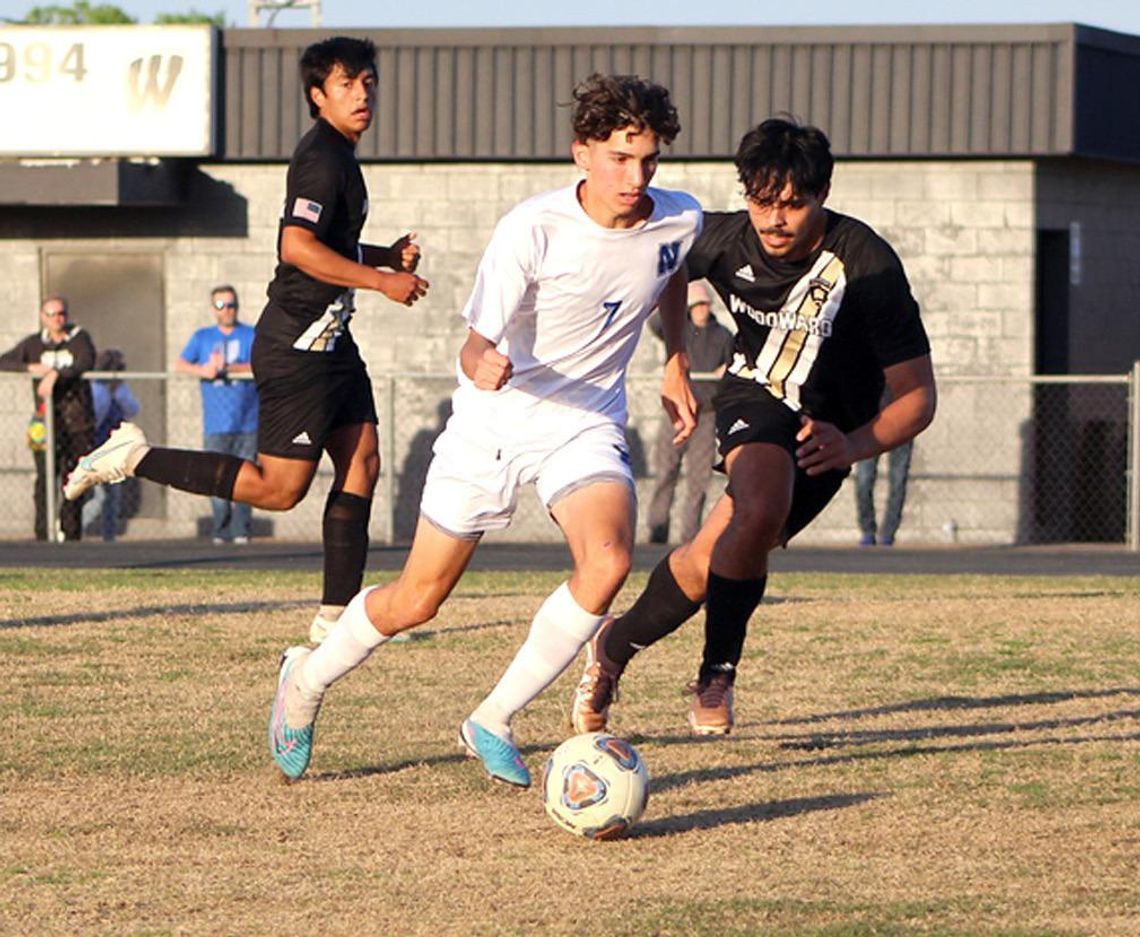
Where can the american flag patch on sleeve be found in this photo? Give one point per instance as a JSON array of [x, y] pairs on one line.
[[308, 210]]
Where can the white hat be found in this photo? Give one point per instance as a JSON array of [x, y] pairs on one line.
[[698, 293]]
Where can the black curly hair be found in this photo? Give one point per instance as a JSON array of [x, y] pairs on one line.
[[782, 150]]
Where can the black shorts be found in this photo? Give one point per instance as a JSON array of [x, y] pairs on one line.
[[304, 396], [747, 413]]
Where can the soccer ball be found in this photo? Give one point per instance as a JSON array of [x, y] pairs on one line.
[[595, 785]]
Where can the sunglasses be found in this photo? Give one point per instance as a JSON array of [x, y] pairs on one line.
[[52, 313], [224, 304]]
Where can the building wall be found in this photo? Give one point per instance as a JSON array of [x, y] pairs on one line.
[[1104, 200], [964, 230]]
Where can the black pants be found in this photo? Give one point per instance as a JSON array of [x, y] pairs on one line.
[[70, 445]]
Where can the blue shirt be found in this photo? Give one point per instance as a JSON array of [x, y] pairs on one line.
[[228, 406]]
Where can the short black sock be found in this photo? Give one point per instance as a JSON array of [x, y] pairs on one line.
[[344, 534], [660, 610], [729, 605], [202, 473]]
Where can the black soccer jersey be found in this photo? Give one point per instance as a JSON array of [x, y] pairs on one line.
[[815, 333], [325, 193]]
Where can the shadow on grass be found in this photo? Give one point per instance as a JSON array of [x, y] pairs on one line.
[[727, 772], [960, 702], [747, 813], [147, 611], [842, 739], [457, 757]]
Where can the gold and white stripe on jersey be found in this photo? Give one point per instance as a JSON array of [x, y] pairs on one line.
[[322, 333], [799, 329]]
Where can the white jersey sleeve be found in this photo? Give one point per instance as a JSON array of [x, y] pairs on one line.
[[505, 276]]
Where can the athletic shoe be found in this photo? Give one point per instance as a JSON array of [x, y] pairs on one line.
[[111, 463], [710, 712], [867, 540], [291, 748], [500, 757], [590, 707], [241, 541]]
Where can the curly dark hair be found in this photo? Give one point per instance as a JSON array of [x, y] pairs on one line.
[[319, 59], [782, 150], [605, 103]]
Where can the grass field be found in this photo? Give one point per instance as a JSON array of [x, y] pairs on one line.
[[914, 755]]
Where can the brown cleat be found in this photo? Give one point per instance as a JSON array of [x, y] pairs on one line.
[[590, 707], [710, 712]]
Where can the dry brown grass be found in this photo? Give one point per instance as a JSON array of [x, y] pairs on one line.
[[914, 755]]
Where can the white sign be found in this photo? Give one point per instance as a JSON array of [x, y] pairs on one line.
[[107, 90]]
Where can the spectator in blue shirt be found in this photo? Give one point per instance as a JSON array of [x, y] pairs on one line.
[[219, 355], [113, 401]]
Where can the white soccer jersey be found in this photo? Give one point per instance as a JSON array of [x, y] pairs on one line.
[[565, 299]]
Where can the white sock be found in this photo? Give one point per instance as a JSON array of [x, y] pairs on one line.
[[559, 630], [347, 646], [330, 612]]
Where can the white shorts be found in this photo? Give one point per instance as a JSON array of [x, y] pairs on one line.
[[473, 487]]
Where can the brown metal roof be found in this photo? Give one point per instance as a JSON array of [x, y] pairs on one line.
[[899, 91]]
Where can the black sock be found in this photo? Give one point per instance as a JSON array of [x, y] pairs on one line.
[[660, 610], [729, 605], [202, 473], [344, 533]]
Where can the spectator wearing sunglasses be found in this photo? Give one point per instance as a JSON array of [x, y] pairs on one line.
[[218, 355]]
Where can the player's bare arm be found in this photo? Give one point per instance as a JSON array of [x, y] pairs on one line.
[[301, 248], [676, 388], [910, 411], [488, 368]]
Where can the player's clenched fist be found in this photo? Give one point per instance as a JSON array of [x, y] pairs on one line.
[[405, 253], [492, 370], [403, 288]]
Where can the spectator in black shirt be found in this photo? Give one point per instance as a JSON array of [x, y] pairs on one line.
[[314, 392], [710, 350], [58, 355]]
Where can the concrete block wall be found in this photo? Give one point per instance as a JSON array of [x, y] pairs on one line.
[[964, 230]]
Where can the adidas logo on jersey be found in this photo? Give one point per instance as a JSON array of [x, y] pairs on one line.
[[302, 439], [737, 427], [745, 273]]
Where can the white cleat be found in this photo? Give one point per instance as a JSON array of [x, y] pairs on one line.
[[111, 463]]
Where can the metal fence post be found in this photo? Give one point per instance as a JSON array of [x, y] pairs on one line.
[[51, 505], [390, 459], [1133, 525]]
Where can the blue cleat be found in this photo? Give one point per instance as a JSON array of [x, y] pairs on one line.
[[500, 758], [291, 748]]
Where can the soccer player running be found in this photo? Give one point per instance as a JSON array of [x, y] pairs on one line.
[[313, 388], [825, 317], [556, 311]]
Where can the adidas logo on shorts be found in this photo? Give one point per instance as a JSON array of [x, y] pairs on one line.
[[302, 439], [737, 427]]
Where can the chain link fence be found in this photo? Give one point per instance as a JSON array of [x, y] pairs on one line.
[[1006, 461]]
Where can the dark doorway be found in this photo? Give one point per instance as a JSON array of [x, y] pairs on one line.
[[1079, 450], [118, 297], [1052, 519]]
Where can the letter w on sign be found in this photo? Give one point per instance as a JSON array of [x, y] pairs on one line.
[[149, 88]]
